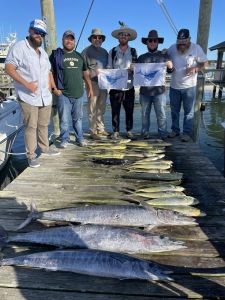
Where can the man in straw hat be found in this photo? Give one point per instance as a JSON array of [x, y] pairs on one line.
[[28, 64], [188, 59], [155, 95], [96, 58], [121, 57]]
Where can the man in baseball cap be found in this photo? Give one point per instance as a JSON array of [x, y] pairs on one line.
[[188, 59], [31, 80], [69, 71], [38, 26]]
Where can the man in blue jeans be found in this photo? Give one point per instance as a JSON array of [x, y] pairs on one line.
[[154, 95], [69, 69], [188, 59]]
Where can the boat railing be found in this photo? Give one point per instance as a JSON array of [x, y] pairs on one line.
[[215, 76], [6, 83]]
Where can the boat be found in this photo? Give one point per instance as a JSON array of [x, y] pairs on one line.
[[10, 114], [6, 86], [11, 122]]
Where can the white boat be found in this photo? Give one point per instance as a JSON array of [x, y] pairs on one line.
[[10, 113], [11, 123], [6, 87]]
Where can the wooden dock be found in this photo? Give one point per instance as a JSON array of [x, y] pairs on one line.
[[72, 179]]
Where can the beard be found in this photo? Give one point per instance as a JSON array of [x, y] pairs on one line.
[[35, 42]]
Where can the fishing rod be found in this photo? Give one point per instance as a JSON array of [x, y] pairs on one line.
[[92, 2], [167, 15]]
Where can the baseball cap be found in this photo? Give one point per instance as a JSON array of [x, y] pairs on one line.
[[183, 36], [68, 33], [39, 25]]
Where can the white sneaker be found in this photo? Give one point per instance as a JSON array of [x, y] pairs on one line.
[[115, 136], [130, 135], [82, 143], [33, 162]]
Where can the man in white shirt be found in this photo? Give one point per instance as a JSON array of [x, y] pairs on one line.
[[188, 59], [28, 64], [121, 57]]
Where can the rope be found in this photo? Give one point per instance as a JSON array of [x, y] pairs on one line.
[[84, 23], [167, 15], [13, 153]]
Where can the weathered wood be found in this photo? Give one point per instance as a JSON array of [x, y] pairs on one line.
[[73, 179]]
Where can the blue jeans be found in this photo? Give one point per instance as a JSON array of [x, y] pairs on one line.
[[187, 96], [74, 107], [159, 102]]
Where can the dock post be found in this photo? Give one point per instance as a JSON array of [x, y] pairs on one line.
[[202, 39], [47, 10]]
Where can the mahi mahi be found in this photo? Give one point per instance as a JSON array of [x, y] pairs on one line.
[[98, 237], [92, 262], [119, 215]]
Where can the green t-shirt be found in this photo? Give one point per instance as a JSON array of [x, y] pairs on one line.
[[74, 66]]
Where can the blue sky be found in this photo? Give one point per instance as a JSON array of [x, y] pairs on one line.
[[141, 15]]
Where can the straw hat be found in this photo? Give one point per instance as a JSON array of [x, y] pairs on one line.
[[124, 28], [96, 31]]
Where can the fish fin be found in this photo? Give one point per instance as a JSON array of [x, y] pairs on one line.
[[3, 237], [32, 216]]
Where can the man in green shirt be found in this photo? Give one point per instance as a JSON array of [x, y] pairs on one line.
[[69, 69]]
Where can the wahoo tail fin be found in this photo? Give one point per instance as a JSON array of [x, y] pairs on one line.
[[32, 216]]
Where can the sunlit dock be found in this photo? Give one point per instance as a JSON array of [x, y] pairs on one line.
[[74, 179]]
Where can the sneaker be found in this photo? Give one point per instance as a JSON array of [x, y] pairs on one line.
[[51, 152], [103, 133], [95, 136], [185, 138], [82, 143], [53, 137], [63, 144], [33, 162], [146, 136], [130, 135], [173, 134], [115, 136]]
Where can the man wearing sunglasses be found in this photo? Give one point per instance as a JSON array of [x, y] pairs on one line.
[[28, 64], [69, 70], [188, 59], [96, 58], [122, 57], [154, 95]]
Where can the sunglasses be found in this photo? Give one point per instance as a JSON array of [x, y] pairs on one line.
[[153, 40], [97, 37], [124, 34], [42, 34]]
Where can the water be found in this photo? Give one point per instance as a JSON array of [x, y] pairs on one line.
[[210, 137]]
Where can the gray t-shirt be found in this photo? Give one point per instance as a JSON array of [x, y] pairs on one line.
[[95, 58], [179, 77]]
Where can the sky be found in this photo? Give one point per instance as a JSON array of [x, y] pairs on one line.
[[141, 15]]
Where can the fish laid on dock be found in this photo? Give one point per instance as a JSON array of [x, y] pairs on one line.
[[92, 262], [151, 176], [164, 194], [162, 188], [98, 237], [185, 210], [181, 201], [119, 215]]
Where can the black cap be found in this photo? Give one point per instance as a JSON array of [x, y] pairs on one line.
[[183, 36]]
